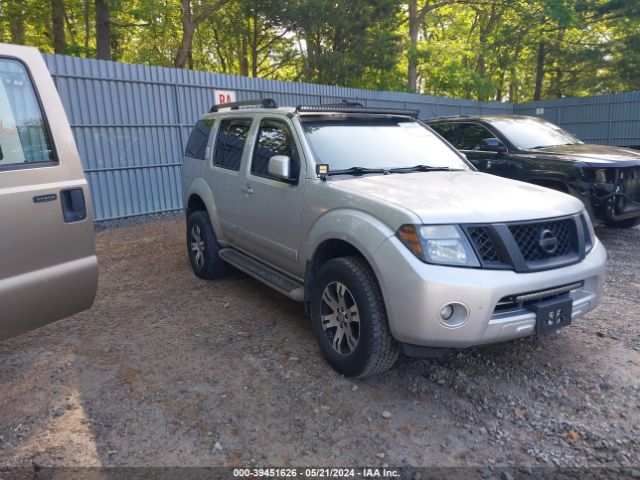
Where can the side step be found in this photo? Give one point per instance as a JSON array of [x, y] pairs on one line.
[[259, 271]]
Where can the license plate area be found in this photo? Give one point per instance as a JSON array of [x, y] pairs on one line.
[[552, 314]]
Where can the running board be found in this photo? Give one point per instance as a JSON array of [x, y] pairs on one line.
[[259, 271]]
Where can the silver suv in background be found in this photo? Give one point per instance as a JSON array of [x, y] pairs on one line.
[[48, 267], [387, 234]]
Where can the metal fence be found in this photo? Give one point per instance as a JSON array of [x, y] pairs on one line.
[[131, 122], [606, 119]]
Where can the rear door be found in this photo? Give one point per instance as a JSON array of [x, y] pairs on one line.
[[48, 268]]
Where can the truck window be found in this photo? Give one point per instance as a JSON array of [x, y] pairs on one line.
[[274, 138], [24, 137], [447, 130], [232, 137], [197, 144], [471, 135]]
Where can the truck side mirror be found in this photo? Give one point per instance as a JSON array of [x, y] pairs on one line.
[[492, 145], [280, 167]]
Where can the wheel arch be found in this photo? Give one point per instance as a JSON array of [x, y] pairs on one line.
[[200, 197], [329, 238], [552, 183]]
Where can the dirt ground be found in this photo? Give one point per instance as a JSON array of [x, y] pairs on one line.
[[167, 369]]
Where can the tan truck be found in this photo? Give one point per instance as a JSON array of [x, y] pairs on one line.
[[48, 267]]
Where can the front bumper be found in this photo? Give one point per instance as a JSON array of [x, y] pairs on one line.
[[415, 292]]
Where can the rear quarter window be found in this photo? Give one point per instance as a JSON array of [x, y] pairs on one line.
[[24, 136], [197, 144]]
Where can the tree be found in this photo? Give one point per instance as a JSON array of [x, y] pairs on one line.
[[57, 22], [192, 16], [103, 30]]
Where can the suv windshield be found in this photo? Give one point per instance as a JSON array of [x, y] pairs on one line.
[[344, 142], [528, 133]]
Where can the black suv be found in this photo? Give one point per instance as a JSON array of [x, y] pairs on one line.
[[606, 179]]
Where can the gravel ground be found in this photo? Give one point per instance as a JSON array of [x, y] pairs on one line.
[[167, 369]]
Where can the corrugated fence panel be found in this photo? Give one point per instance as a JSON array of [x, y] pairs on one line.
[[607, 119], [131, 122]]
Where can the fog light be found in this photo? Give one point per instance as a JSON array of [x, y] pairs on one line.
[[454, 314], [446, 312]]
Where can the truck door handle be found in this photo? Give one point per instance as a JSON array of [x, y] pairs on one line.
[[74, 208], [248, 190]]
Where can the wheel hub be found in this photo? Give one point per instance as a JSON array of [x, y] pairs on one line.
[[340, 318], [197, 246]]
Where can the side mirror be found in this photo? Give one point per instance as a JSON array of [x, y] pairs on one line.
[[492, 145], [280, 167]]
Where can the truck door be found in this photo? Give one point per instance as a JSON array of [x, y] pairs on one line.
[[48, 267]]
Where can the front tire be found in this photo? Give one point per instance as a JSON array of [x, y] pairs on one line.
[[349, 318], [203, 247]]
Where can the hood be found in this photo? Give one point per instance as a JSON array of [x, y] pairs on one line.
[[463, 197], [595, 155]]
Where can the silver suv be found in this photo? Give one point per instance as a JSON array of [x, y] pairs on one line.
[[387, 234]]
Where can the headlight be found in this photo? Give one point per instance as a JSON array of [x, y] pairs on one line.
[[439, 244], [589, 232]]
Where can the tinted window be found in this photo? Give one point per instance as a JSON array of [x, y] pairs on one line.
[[274, 138], [470, 136], [232, 138], [447, 130], [525, 133], [197, 144], [377, 143], [24, 137]]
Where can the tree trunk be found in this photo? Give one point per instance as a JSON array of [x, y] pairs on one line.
[[103, 31], [188, 31], [414, 23], [243, 63], [537, 94], [57, 23], [15, 15], [254, 47], [87, 27]]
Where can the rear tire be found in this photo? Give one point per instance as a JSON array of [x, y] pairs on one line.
[[626, 223], [349, 318], [203, 247]]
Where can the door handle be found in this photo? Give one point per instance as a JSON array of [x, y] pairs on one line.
[[74, 208], [248, 190]]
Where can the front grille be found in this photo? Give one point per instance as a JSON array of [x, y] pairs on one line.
[[530, 246], [527, 236], [483, 244]]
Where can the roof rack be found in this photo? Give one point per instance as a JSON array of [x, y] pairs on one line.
[[260, 102], [347, 107]]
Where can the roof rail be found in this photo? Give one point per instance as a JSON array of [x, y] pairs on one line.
[[347, 107], [260, 102]]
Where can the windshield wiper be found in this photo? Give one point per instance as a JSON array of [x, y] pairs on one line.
[[423, 168], [357, 171]]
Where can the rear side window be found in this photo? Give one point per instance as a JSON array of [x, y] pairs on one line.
[[197, 144], [24, 137], [274, 138], [232, 137]]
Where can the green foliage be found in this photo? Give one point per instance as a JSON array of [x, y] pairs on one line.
[[477, 49]]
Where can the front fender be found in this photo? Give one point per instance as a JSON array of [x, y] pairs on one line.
[[363, 231]]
